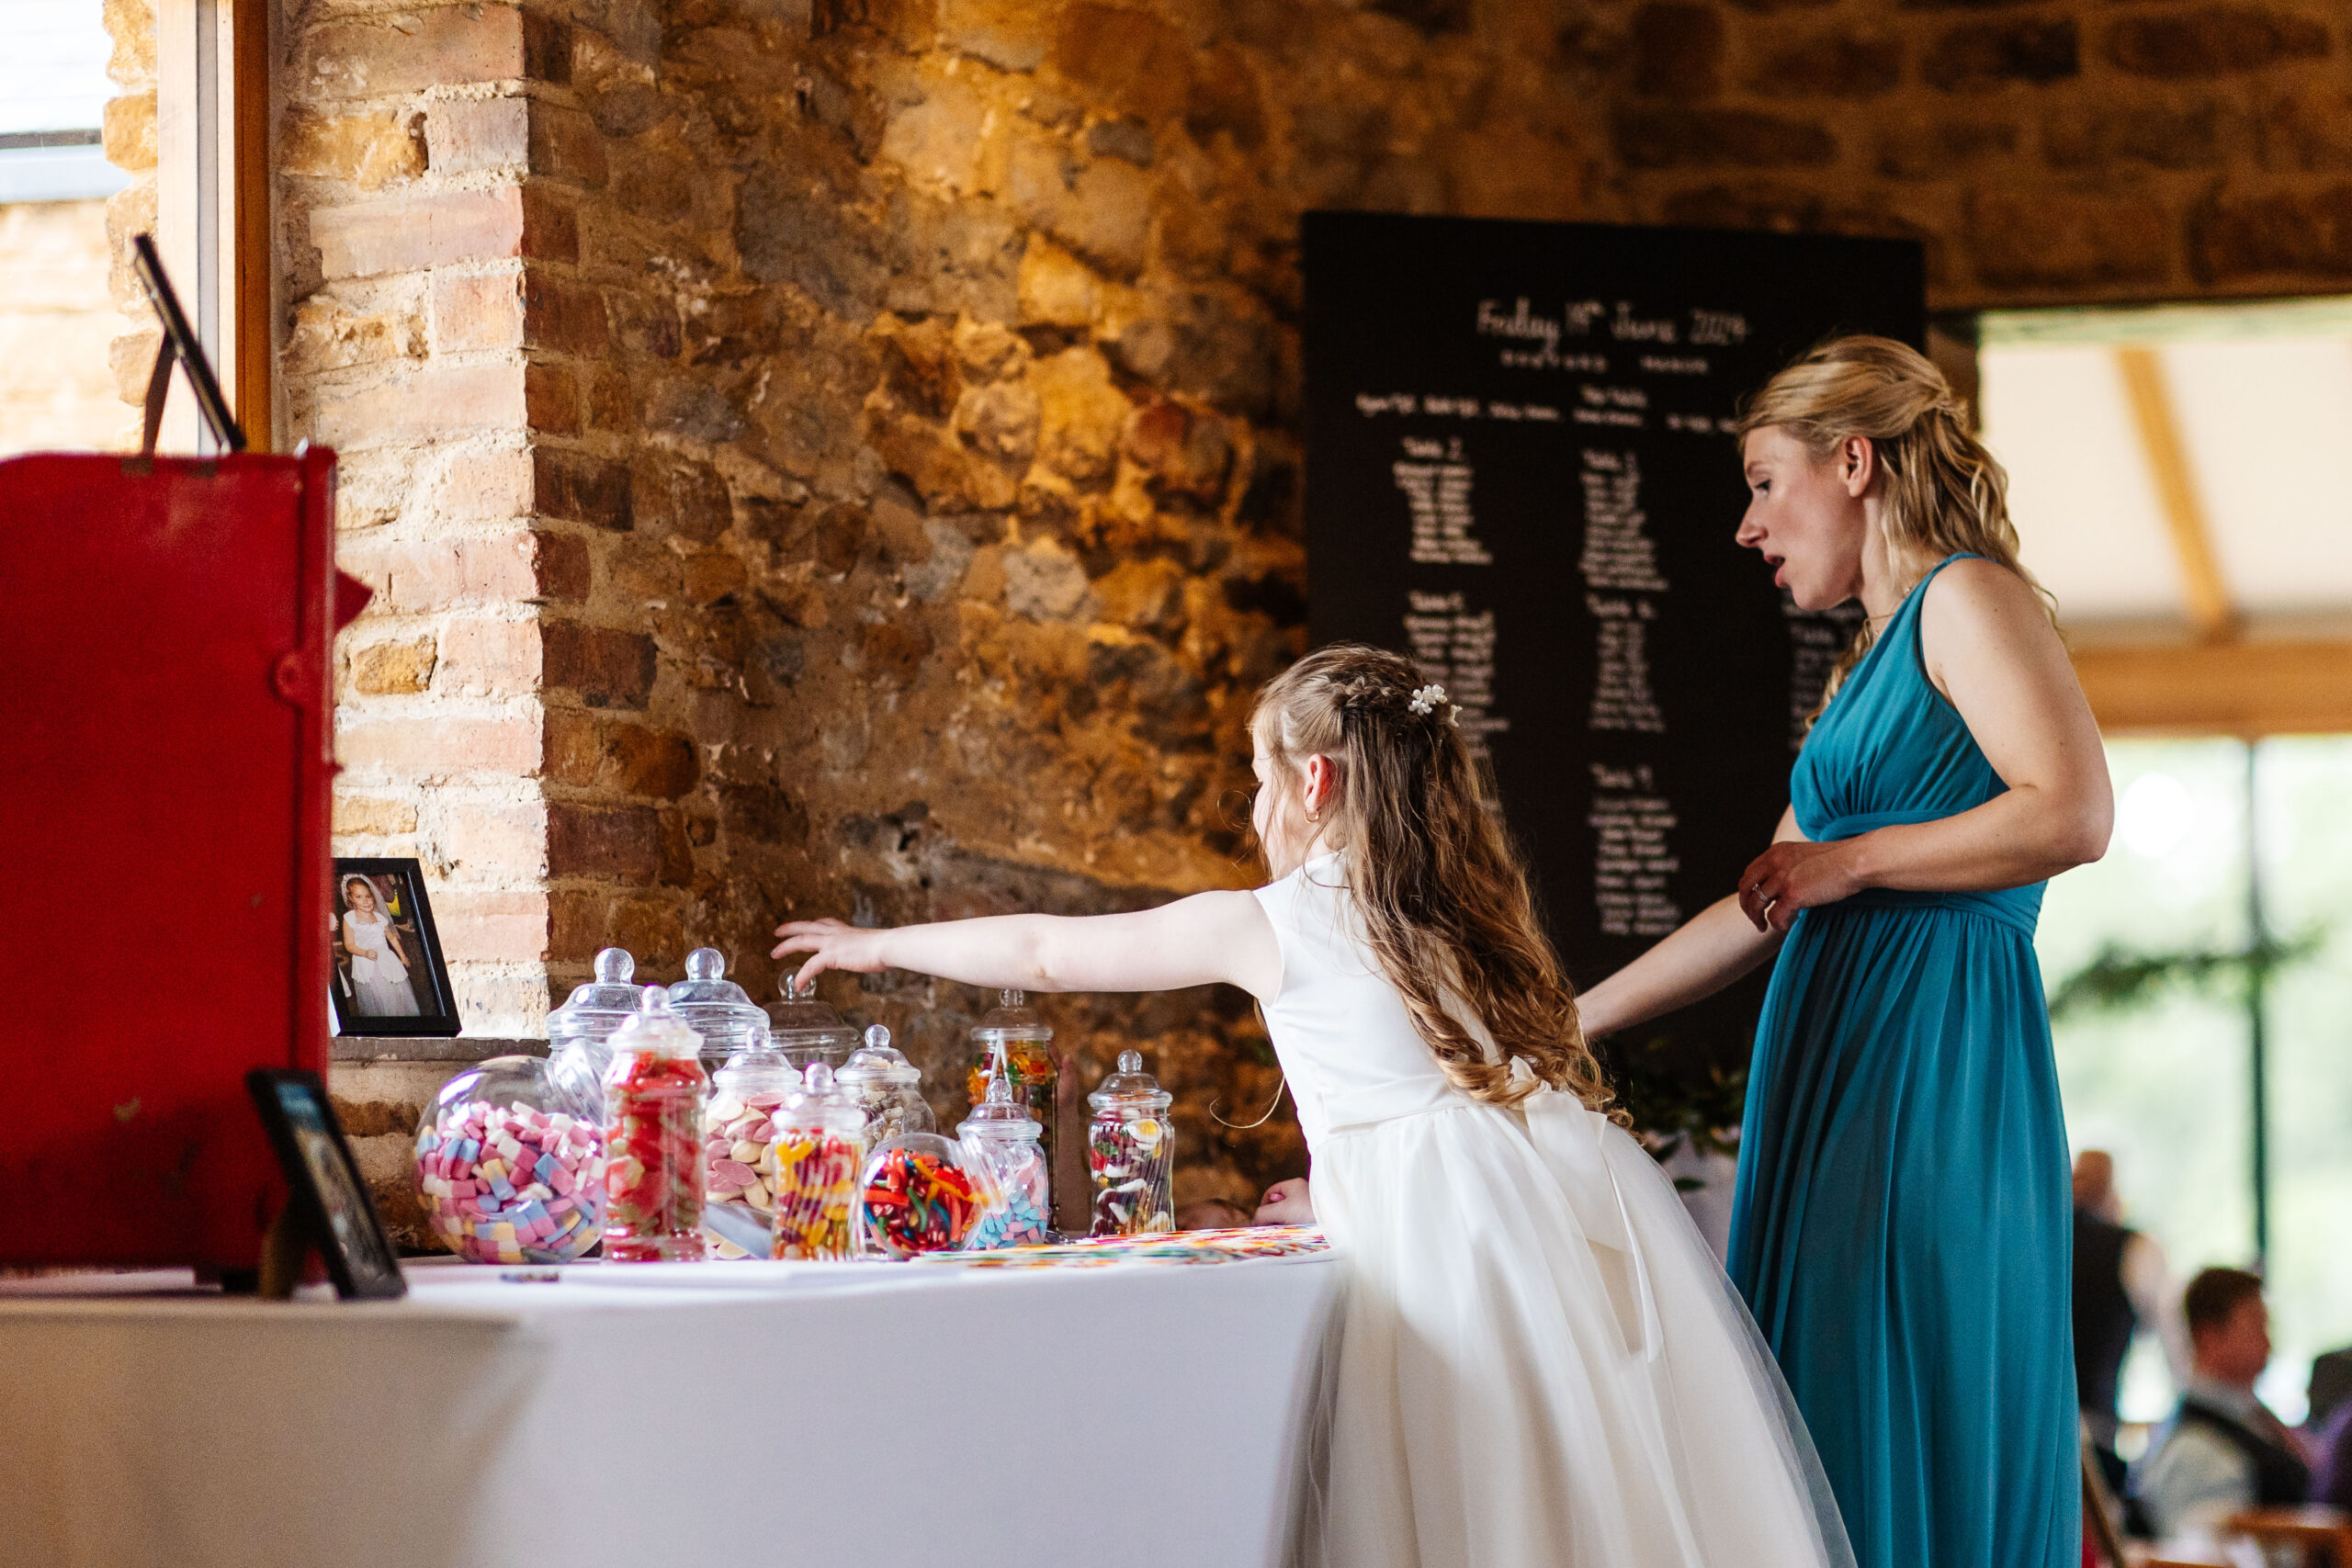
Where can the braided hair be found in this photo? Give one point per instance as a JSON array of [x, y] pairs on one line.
[[1944, 493], [1445, 899]]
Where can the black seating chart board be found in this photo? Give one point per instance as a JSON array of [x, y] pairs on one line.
[[1520, 473]]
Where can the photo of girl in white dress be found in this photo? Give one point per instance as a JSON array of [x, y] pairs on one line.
[[379, 965]]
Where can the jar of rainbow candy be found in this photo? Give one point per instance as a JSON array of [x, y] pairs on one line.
[[1007, 1162], [812, 1169], [1131, 1152], [510, 1166], [654, 1091]]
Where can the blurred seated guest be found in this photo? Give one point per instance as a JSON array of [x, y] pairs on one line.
[[2123, 1287], [2329, 1388], [2223, 1450], [2328, 1429]]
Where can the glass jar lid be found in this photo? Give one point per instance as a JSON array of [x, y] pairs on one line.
[[1011, 1019], [759, 1072], [716, 1007], [599, 1007], [878, 1063], [1130, 1089], [801, 1022], [820, 1103], [656, 1029], [999, 1115]]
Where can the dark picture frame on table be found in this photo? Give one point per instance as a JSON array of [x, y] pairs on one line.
[[327, 1208], [387, 974]]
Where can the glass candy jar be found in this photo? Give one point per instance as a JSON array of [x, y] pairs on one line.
[[887, 1087], [738, 1126], [1009, 1171], [654, 1091], [807, 1029], [813, 1166], [511, 1165], [577, 1031], [717, 1009], [1131, 1152], [916, 1197], [1013, 1029]]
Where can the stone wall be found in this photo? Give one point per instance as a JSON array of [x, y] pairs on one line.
[[841, 456], [57, 319]]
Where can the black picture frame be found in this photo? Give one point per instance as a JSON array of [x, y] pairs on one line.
[[397, 885], [326, 1200]]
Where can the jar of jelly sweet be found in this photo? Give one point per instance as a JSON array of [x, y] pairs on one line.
[[738, 1128], [1032, 1069], [1131, 1153], [510, 1166], [887, 1087], [1007, 1162], [916, 1197], [578, 1031], [813, 1164], [654, 1091]]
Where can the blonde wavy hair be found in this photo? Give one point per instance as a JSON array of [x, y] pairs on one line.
[[1945, 493], [1443, 898]]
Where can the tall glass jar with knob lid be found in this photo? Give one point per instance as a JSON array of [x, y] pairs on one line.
[[1013, 1030], [577, 1031], [813, 1166], [717, 1009], [887, 1087], [1131, 1153], [807, 1029], [1008, 1167], [737, 1129], [653, 1103]]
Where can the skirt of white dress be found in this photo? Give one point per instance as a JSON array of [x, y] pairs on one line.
[[1540, 1364]]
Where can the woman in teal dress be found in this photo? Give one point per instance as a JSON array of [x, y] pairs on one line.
[[1901, 1226]]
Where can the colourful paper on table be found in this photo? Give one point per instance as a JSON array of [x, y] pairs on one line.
[[1228, 1246]]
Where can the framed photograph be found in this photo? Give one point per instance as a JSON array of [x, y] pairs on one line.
[[388, 974], [325, 1197]]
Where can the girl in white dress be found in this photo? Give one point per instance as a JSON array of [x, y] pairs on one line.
[[377, 970], [1540, 1365]]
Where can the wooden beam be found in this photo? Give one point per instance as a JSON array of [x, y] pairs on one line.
[[2248, 689], [2167, 459], [251, 291]]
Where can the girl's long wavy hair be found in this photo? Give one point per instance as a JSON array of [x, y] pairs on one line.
[[1443, 898], [1944, 493]]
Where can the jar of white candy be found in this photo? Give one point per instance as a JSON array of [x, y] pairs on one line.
[[888, 1089], [738, 1126], [717, 1009], [511, 1165], [578, 1031], [807, 1029]]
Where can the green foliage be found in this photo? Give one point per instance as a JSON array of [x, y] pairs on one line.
[[2118, 979], [1672, 1103]]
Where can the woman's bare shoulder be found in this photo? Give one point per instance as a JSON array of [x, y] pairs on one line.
[[1974, 597]]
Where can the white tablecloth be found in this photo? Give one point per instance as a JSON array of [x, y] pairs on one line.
[[761, 1413]]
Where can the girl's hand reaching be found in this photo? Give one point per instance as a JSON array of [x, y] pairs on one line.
[[1285, 1203], [832, 944]]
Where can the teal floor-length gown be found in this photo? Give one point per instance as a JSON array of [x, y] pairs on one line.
[[1901, 1227]]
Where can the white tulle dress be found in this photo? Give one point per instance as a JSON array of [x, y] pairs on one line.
[[1541, 1364]]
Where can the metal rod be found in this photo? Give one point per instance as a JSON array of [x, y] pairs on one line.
[[2257, 979]]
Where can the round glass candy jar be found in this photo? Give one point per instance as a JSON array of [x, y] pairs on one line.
[[1013, 1028], [738, 1126], [807, 1029], [717, 1009], [654, 1091], [813, 1167], [577, 1031], [1009, 1172], [510, 1166], [887, 1087], [1131, 1153], [915, 1197]]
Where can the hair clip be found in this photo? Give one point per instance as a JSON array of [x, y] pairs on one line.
[[1427, 698]]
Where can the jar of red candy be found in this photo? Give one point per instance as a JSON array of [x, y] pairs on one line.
[[1007, 1164], [1013, 1031], [813, 1167], [510, 1166], [887, 1087], [578, 1031], [916, 1197], [807, 1029], [717, 1009], [1131, 1153], [736, 1128], [654, 1091]]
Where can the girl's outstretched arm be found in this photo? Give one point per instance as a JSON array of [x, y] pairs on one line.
[[1203, 940]]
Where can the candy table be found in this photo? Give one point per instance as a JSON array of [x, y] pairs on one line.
[[641, 1417]]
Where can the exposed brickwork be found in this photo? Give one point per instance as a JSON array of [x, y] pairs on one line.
[[842, 456]]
